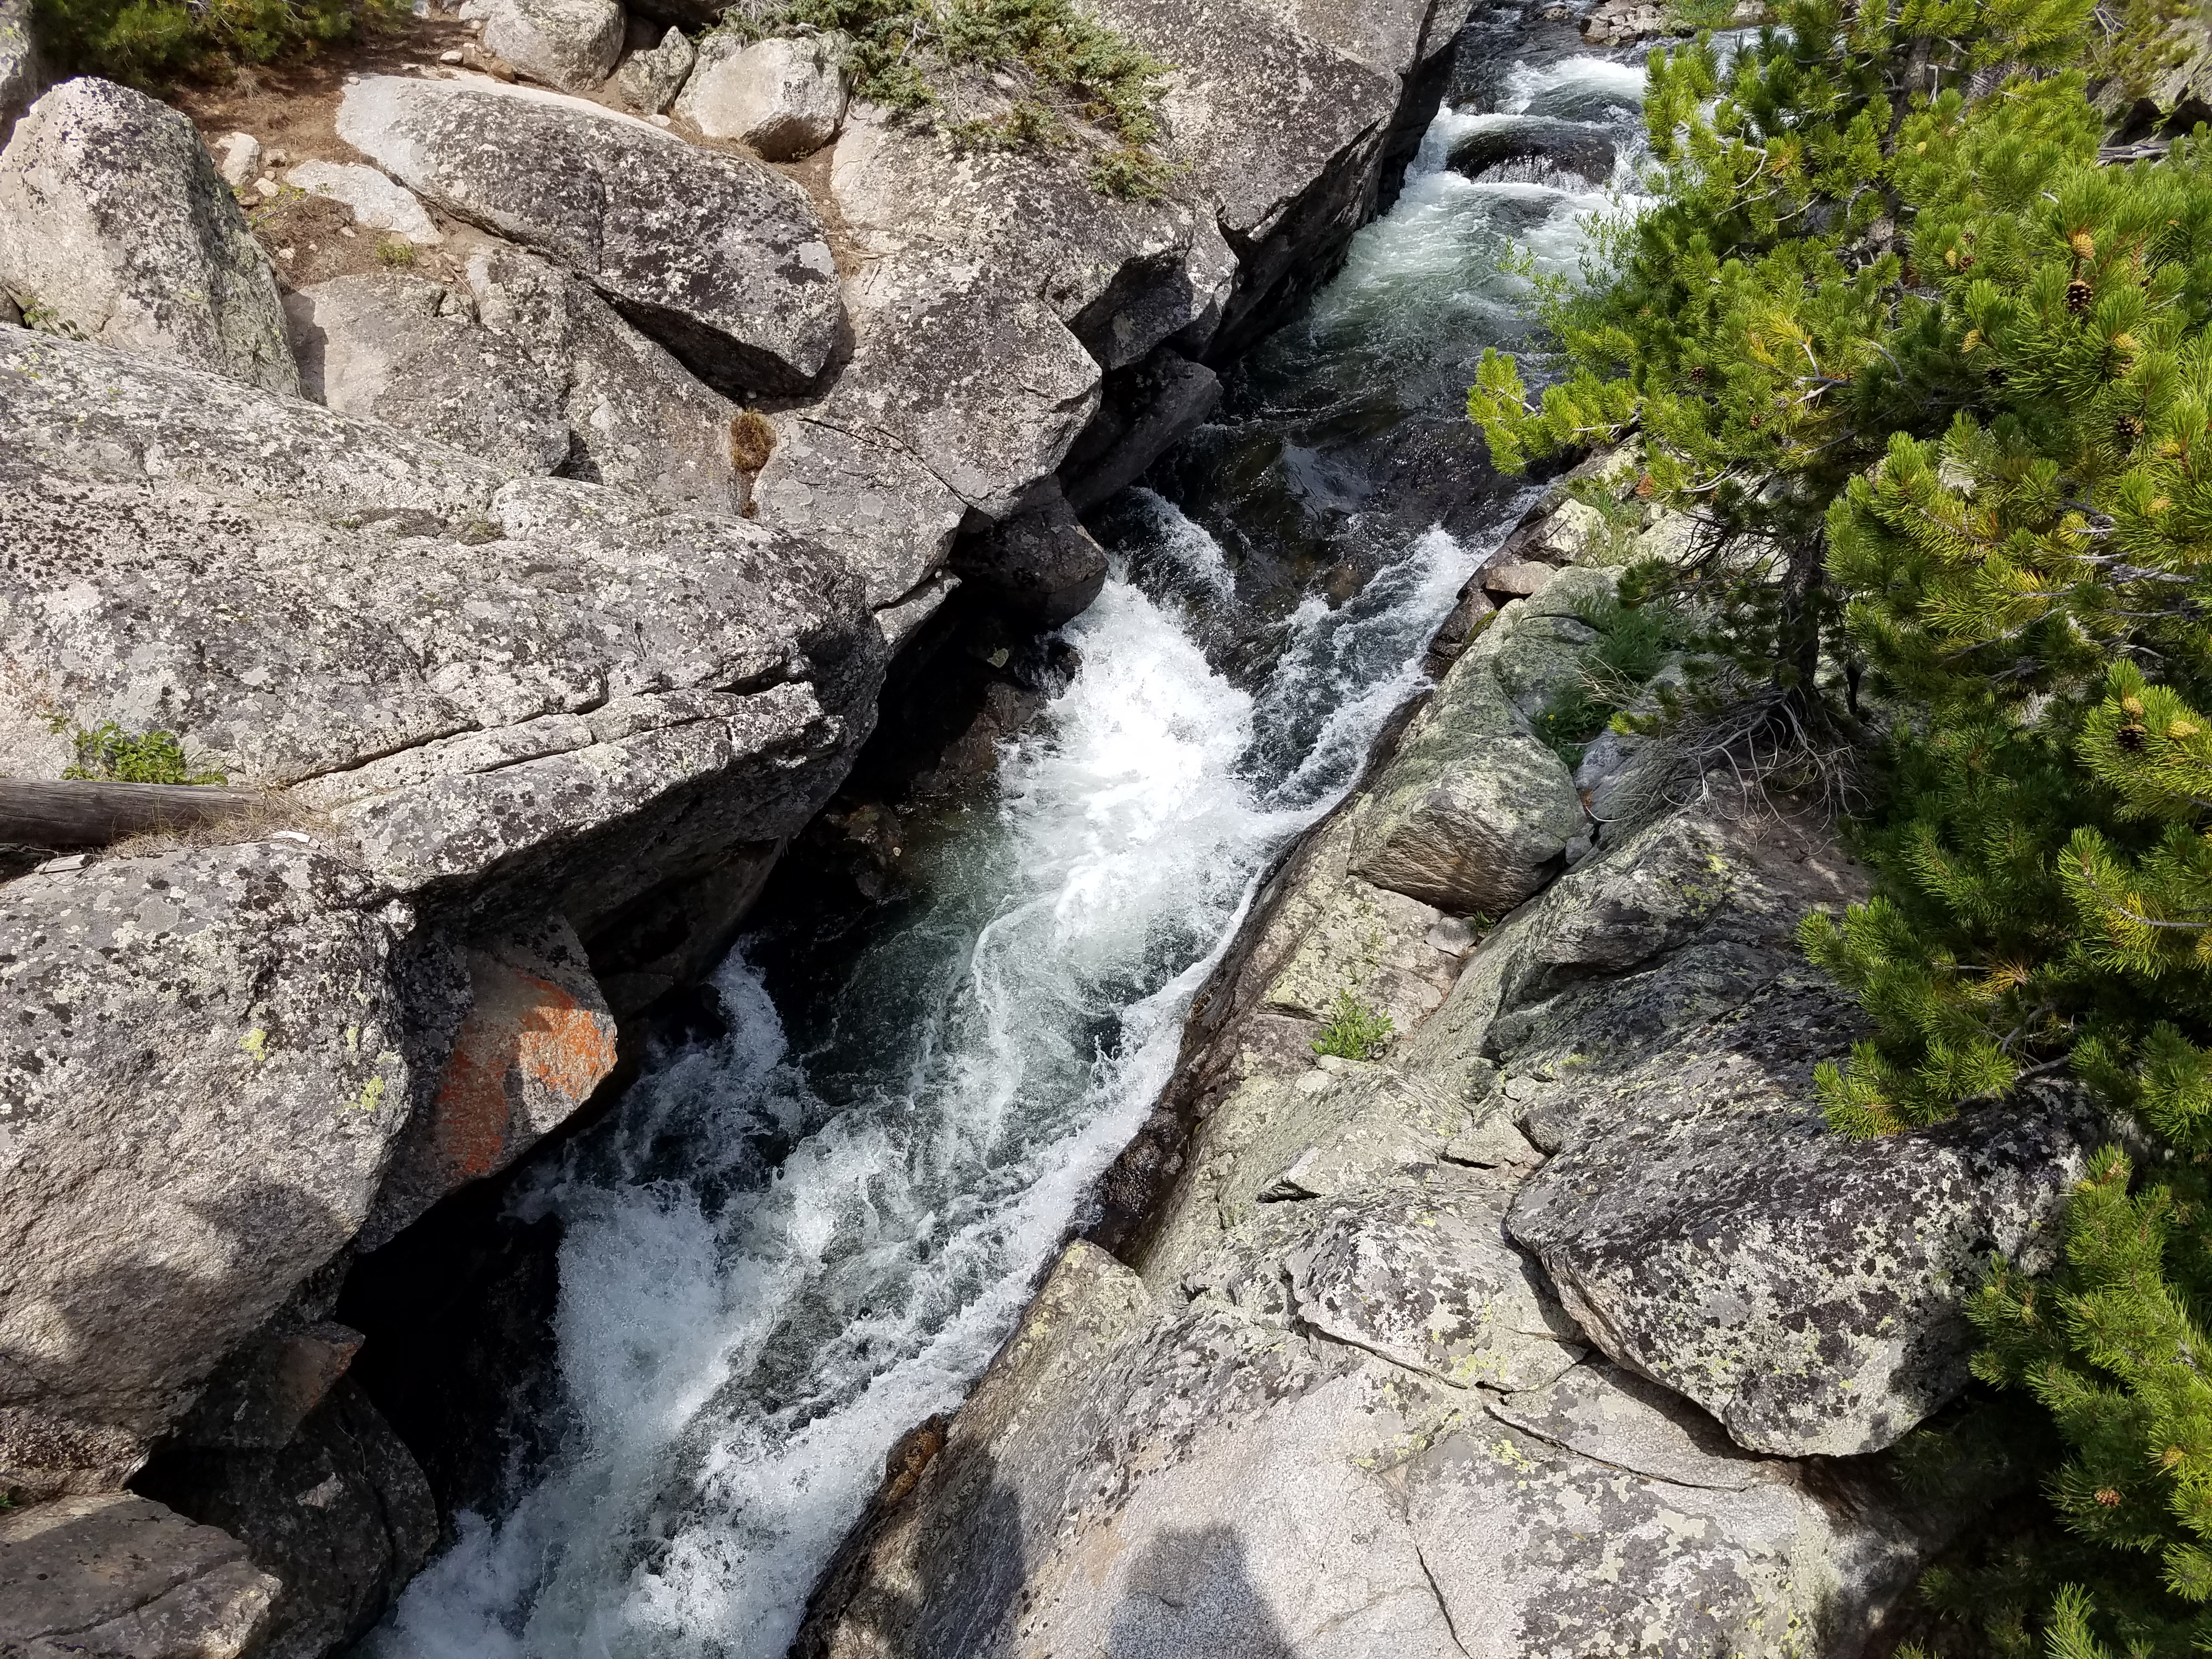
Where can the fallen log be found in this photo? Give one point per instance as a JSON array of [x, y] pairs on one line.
[[66, 815]]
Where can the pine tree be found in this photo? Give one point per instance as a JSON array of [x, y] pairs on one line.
[[1938, 386]]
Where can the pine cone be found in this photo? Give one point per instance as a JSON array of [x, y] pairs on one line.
[[1697, 373], [2130, 738], [2077, 296], [2128, 430]]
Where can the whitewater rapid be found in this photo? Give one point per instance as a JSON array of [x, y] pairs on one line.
[[776, 1257]]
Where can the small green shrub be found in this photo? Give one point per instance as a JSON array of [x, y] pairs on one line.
[[1632, 644], [1076, 67], [1354, 1031], [108, 754], [397, 251], [150, 43]]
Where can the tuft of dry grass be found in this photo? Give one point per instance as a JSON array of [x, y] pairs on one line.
[[752, 441]]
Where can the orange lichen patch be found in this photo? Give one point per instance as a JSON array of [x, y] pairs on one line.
[[524, 1040], [564, 1047]]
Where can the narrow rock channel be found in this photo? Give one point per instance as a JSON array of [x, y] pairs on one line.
[[792, 1242]]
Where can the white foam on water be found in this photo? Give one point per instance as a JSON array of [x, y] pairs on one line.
[[1578, 87], [1186, 547]]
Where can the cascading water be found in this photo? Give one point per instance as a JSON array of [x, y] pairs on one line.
[[790, 1243]]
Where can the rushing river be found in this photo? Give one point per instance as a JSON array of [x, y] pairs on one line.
[[791, 1243]]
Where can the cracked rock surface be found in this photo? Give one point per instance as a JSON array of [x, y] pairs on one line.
[[718, 258], [469, 675]]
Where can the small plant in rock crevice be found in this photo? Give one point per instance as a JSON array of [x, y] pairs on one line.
[[108, 754], [1355, 1032], [1630, 646], [900, 52]]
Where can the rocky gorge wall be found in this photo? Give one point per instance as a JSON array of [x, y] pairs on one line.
[[538, 583], [1564, 1326]]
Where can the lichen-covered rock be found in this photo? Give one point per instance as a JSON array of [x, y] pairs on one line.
[[203, 1071], [538, 1039], [1427, 1279], [650, 78], [1370, 944], [1807, 1290], [864, 493], [717, 257], [636, 417], [568, 44], [488, 686], [122, 1578], [406, 352], [22, 69], [1201, 1476], [339, 1512], [1474, 808], [783, 97], [114, 224]]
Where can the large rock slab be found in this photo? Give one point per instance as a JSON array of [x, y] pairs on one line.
[[1807, 1290], [717, 257], [1135, 1477], [636, 417], [485, 684], [114, 225], [407, 352], [203, 1070], [120, 1575]]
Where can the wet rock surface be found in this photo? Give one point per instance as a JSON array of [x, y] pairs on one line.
[[1581, 148], [115, 226]]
